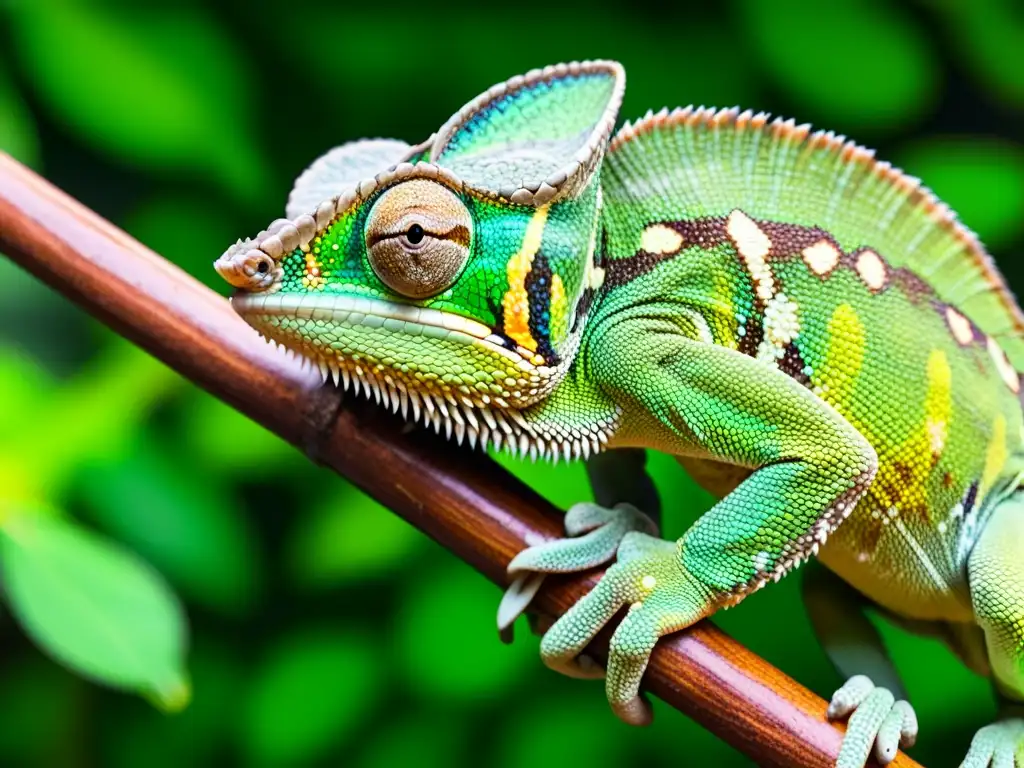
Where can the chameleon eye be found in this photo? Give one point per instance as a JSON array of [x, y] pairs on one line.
[[417, 238], [415, 234]]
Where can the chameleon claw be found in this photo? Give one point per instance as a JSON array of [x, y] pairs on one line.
[[636, 711], [515, 600]]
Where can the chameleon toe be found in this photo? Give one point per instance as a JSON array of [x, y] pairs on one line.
[[879, 724], [1000, 745]]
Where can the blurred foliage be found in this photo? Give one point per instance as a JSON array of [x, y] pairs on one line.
[[323, 629]]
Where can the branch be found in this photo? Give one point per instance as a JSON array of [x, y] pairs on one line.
[[460, 498]]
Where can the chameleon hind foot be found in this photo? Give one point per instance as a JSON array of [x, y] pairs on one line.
[[594, 533], [879, 723], [1000, 745], [662, 596]]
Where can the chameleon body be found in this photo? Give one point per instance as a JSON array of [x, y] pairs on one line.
[[810, 332]]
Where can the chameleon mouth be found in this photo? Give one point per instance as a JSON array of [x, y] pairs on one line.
[[442, 369], [376, 313]]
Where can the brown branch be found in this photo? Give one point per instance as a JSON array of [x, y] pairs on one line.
[[458, 497]]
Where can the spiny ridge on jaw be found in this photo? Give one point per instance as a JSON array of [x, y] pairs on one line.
[[479, 425]]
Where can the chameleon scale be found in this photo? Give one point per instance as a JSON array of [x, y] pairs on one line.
[[811, 332]]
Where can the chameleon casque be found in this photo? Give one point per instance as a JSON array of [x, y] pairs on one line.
[[811, 332]]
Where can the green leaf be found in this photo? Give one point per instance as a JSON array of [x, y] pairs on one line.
[[93, 606], [982, 179], [159, 88], [447, 638], [98, 414], [23, 387], [310, 693], [349, 537], [18, 136], [192, 531], [857, 63]]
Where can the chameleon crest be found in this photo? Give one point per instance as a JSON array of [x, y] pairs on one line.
[[811, 333]]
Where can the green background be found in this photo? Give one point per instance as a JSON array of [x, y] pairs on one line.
[[324, 630]]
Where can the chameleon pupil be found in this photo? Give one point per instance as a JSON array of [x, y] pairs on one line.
[[415, 234], [263, 268]]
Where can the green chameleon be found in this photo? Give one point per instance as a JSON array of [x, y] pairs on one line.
[[812, 334]]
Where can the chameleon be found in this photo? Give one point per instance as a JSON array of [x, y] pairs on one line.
[[813, 335]]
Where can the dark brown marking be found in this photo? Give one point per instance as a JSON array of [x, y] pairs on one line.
[[793, 364], [538, 291], [704, 233], [583, 308], [971, 497], [788, 242], [753, 334]]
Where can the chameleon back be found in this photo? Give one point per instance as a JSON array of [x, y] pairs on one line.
[[802, 251]]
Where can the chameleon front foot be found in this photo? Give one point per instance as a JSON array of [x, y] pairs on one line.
[[595, 533], [1000, 745], [662, 597], [879, 723]]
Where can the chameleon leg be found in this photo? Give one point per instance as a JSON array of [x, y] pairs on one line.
[[595, 530], [881, 718], [996, 573], [810, 468]]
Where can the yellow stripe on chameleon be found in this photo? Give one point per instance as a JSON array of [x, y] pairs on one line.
[[843, 359], [995, 456], [938, 402], [559, 311], [516, 302]]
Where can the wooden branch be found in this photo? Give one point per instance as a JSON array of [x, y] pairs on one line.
[[458, 497]]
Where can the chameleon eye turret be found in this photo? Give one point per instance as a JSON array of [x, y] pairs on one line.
[[417, 238]]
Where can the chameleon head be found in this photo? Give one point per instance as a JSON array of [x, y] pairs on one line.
[[461, 275]]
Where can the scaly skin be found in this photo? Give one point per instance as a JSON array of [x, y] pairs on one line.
[[811, 333]]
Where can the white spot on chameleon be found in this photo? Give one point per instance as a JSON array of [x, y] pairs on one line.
[[753, 246], [821, 257], [648, 582], [781, 327], [871, 269], [661, 240], [959, 326], [1006, 371], [761, 560]]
